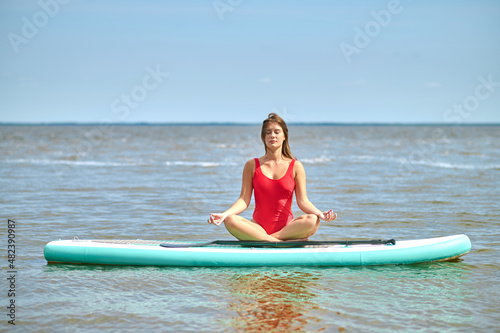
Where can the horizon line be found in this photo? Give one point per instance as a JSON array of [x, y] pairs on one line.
[[214, 123]]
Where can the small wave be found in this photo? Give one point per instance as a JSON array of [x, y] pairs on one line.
[[459, 166], [378, 159], [316, 160], [52, 162], [324, 159], [364, 157], [199, 163], [225, 146]]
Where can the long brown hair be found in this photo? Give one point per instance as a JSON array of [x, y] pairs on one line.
[[274, 118]]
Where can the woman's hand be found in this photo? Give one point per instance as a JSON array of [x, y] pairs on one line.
[[216, 219], [328, 216]]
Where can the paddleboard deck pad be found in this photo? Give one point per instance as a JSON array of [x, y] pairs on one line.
[[198, 254]]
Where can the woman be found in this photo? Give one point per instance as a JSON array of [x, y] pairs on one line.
[[273, 177]]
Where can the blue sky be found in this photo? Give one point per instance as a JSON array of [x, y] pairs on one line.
[[238, 60]]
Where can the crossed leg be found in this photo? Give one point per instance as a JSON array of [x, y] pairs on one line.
[[298, 229]]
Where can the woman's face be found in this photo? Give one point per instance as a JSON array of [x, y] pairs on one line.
[[274, 136]]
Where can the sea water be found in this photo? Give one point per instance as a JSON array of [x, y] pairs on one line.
[[162, 182]]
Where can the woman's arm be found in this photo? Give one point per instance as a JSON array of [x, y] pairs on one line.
[[301, 194], [245, 196]]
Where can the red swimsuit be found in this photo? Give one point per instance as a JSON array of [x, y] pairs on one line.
[[273, 199]]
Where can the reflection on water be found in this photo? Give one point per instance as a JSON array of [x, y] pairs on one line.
[[432, 297], [299, 299], [274, 300]]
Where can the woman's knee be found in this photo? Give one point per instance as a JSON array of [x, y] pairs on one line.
[[230, 221], [312, 219]]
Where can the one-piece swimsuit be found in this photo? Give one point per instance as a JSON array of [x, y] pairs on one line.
[[273, 199]]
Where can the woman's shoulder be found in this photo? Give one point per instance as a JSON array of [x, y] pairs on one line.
[[250, 164], [297, 166], [251, 161]]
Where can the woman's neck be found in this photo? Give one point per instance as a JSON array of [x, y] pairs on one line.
[[275, 155]]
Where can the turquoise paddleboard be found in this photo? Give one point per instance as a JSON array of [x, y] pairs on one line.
[[234, 253]]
